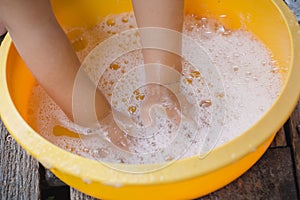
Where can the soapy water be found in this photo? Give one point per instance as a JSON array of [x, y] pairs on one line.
[[249, 75]]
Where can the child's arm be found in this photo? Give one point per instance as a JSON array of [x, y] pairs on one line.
[[164, 14], [167, 14], [2, 28], [46, 50]]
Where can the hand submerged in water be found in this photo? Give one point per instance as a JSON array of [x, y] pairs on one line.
[[169, 98]]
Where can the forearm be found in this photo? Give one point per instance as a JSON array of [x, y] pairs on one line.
[[159, 13], [45, 49], [163, 14], [2, 28]]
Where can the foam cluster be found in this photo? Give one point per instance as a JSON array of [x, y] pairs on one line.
[[249, 75]]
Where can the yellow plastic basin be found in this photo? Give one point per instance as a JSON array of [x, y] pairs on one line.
[[270, 20]]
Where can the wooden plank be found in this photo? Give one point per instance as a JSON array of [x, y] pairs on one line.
[[19, 172], [294, 126], [76, 195], [280, 139], [271, 178]]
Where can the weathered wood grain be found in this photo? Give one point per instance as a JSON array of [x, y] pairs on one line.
[[76, 195], [294, 125], [19, 173], [280, 139], [270, 178]]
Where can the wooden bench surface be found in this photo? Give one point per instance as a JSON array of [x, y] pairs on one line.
[[275, 176]]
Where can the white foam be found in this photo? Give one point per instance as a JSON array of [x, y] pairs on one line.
[[250, 87]]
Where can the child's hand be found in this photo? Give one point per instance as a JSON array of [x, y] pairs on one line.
[[167, 14], [172, 101], [107, 131], [162, 96], [115, 135]]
